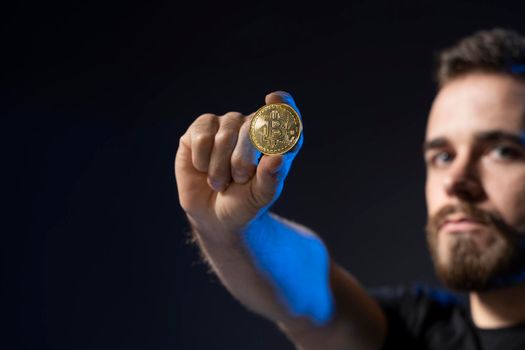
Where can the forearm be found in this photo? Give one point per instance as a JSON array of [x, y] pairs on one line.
[[230, 257], [356, 322]]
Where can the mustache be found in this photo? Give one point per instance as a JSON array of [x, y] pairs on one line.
[[469, 210]]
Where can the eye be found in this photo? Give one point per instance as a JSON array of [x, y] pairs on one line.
[[440, 158], [505, 152]]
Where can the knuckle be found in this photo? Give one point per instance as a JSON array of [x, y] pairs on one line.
[[232, 119], [202, 139], [241, 163], [204, 121], [225, 137], [237, 161], [232, 115], [184, 140], [206, 117]]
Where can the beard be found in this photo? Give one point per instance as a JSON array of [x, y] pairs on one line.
[[463, 264]]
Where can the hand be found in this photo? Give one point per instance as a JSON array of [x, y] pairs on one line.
[[221, 184], [222, 188]]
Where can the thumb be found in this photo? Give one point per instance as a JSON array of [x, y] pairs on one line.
[[269, 179], [281, 97], [273, 169]]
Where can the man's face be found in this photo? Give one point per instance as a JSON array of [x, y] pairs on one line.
[[475, 189]]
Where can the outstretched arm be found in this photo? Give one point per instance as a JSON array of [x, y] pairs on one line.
[[275, 267], [293, 282]]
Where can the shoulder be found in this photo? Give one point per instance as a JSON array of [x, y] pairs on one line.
[[416, 312], [416, 295]]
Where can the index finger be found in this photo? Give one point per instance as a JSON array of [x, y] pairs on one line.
[[245, 155]]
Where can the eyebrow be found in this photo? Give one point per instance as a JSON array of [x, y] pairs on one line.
[[498, 135], [485, 136]]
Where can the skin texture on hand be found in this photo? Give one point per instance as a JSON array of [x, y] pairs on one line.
[[273, 266], [220, 177], [225, 189]]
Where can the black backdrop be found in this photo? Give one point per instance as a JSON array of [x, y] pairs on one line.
[[94, 99]]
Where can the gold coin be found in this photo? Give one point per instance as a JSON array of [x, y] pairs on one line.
[[275, 128]]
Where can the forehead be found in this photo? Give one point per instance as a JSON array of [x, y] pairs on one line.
[[477, 102]]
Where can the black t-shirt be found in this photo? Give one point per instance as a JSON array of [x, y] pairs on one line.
[[421, 317]]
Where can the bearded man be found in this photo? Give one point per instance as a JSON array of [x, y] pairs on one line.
[[474, 152]]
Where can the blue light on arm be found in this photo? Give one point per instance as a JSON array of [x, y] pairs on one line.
[[297, 265]]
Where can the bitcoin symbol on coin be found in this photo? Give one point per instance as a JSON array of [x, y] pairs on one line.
[[275, 128]]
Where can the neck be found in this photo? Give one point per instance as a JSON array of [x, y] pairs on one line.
[[500, 307]]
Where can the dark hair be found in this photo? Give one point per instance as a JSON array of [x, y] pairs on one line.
[[497, 50]]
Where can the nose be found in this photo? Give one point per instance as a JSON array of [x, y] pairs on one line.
[[463, 181]]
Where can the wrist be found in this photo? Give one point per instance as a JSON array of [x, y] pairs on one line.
[[220, 233]]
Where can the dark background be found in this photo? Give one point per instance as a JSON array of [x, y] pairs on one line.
[[94, 98]]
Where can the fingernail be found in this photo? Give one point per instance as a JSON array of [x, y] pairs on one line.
[[216, 185]]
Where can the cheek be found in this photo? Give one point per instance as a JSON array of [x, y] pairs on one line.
[[434, 194], [506, 190]]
